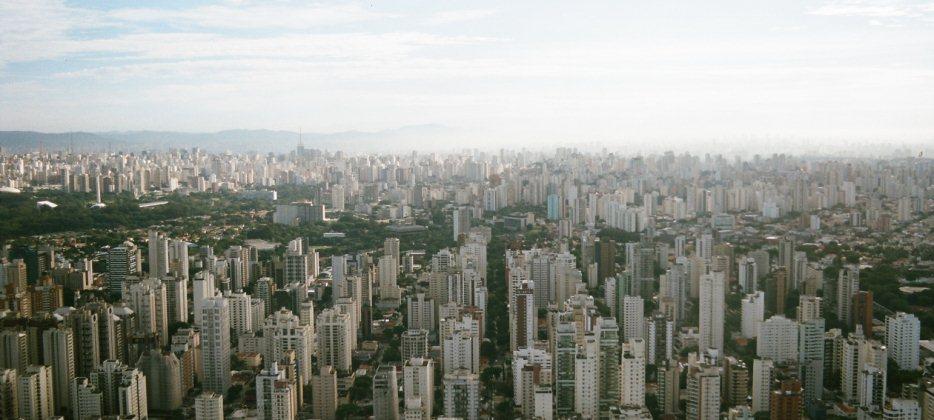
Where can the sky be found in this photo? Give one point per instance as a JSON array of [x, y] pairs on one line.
[[523, 71]]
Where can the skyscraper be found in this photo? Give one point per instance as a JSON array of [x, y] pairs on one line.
[[123, 389], [418, 386], [847, 286], [59, 354], [461, 350], [35, 395], [283, 332], [786, 403], [902, 334], [86, 399], [421, 312], [162, 371], [215, 344], [633, 320], [386, 393], [753, 313], [209, 406], [778, 339], [703, 392], [632, 379], [275, 394], [461, 218], [809, 307], [811, 360], [462, 395], [586, 377], [761, 383], [324, 398], [122, 261], [147, 298], [334, 339], [861, 312], [524, 319], [388, 272], [610, 386], [9, 406], [711, 311]]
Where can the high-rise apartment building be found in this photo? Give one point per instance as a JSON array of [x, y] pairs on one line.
[[461, 394], [418, 386], [334, 339], [902, 335], [778, 339], [386, 393], [215, 344], [712, 289]]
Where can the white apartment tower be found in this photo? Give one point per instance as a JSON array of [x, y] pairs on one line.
[[334, 340], [283, 332], [712, 289], [632, 376], [809, 308], [902, 334], [778, 339], [633, 320], [753, 313], [215, 344], [418, 385], [209, 406], [58, 350], [761, 383]]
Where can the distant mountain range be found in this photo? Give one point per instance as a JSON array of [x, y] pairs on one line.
[[420, 137]]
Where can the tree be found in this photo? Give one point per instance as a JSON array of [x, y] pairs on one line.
[[362, 389], [346, 411], [392, 354], [488, 350]]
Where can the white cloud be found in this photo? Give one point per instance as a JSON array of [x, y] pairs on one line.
[[261, 15], [874, 9], [455, 16]]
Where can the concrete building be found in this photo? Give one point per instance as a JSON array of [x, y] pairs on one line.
[[35, 395], [712, 289], [334, 339], [86, 399], [58, 352], [753, 306], [462, 395], [324, 398], [761, 384], [418, 385], [209, 406], [902, 336], [215, 344], [778, 339], [386, 393]]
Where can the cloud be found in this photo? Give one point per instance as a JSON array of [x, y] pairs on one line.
[[874, 9], [280, 16], [456, 16]]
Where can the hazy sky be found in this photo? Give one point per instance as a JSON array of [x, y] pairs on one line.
[[554, 71]]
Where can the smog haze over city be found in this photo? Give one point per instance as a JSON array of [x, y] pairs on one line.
[[446, 210]]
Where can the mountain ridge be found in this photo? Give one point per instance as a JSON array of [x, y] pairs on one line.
[[239, 140]]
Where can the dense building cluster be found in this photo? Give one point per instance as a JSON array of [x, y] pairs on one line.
[[568, 285]]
